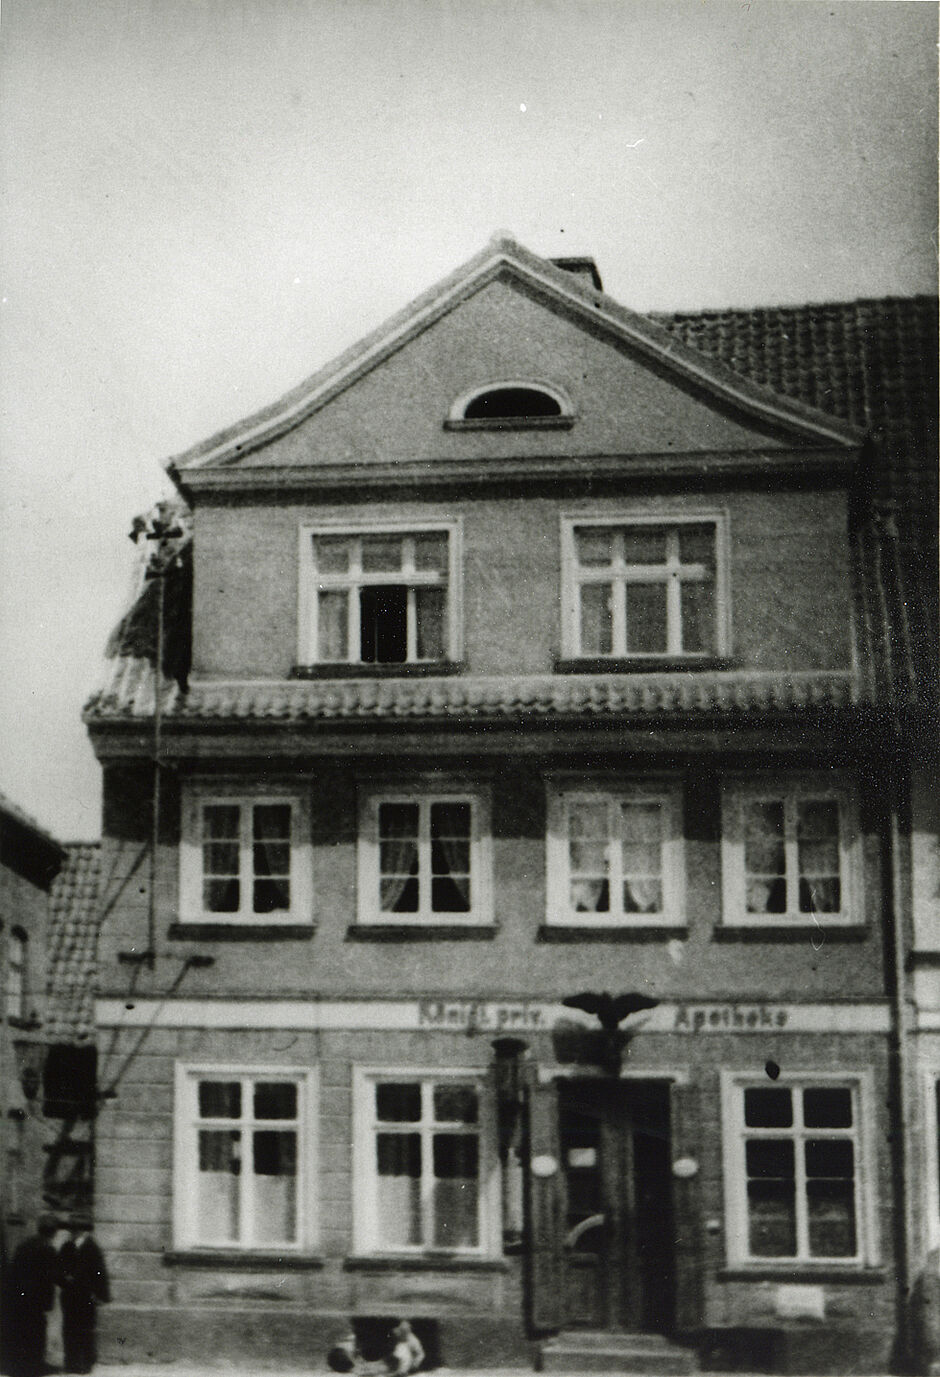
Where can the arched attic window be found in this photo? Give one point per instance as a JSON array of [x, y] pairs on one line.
[[510, 404]]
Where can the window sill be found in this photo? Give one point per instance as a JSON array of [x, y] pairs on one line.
[[24, 1025], [345, 670], [851, 1273], [510, 423], [424, 1262], [421, 932], [620, 932], [639, 664], [230, 1259], [241, 932], [792, 932]]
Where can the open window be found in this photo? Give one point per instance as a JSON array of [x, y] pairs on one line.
[[379, 596]]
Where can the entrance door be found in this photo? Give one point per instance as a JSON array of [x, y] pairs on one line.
[[618, 1264]]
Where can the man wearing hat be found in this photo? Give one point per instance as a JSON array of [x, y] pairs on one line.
[[32, 1293], [83, 1283]]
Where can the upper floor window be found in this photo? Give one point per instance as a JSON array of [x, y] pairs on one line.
[[423, 857], [243, 1159], [244, 858], [380, 597], [645, 588], [615, 855], [16, 973], [510, 403], [796, 1170], [788, 852]]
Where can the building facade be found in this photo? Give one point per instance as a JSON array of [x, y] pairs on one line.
[[505, 915], [29, 861]]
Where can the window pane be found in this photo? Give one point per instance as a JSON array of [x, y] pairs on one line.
[[590, 896], [771, 1209], [383, 624], [398, 1102], [697, 544], [642, 896], [220, 858], [220, 1100], [271, 857], [646, 619], [431, 551], [450, 857], [220, 821], [641, 857], [332, 625], [275, 1100], [768, 1107], [456, 1104], [771, 1196], [827, 1107], [332, 554], [217, 1194], [430, 614], [831, 1208], [275, 1187], [596, 620], [830, 1190], [221, 896], [381, 553], [698, 617], [593, 545], [765, 856], [398, 1188], [644, 545], [456, 1169], [820, 896]]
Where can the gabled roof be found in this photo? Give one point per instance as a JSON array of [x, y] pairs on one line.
[[505, 259], [25, 846], [75, 917]]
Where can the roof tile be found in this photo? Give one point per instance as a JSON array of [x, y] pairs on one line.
[[73, 945]]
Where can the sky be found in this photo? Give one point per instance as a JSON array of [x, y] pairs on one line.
[[203, 201]]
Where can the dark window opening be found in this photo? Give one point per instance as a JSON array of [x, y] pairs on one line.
[[503, 403], [383, 624]]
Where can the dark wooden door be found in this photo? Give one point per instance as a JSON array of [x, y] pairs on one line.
[[618, 1268]]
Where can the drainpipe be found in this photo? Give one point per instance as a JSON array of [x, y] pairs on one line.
[[902, 1055]]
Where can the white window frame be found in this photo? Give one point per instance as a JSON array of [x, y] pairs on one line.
[[791, 789], [196, 795], [311, 584], [929, 1136], [369, 871], [366, 1125], [562, 792], [186, 1123], [622, 574], [862, 1133]]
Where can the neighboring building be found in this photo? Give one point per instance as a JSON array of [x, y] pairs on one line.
[[29, 861], [70, 1090], [529, 652]]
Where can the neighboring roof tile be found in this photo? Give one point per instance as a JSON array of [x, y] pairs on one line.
[[477, 698], [73, 945], [19, 815]]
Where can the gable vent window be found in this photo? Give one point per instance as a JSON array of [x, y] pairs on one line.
[[510, 404]]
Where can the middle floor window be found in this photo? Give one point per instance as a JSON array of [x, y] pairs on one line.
[[424, 857], [615, 854]]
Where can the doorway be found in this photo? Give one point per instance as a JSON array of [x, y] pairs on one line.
[[618, 1249]]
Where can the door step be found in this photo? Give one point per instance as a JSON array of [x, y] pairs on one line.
[[603, 1351]]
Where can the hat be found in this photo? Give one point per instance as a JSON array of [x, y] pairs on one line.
[[47, 1225]]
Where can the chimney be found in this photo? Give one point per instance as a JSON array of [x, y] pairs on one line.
[[583, 268]]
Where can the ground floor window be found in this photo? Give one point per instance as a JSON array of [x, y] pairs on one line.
[[796, 1173], [424, 1171], [242, 1157]]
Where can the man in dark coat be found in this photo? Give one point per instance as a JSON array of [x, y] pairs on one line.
[[83, 1282], [32, 1279]]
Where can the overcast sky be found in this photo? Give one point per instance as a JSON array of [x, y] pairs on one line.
[[204, 200]]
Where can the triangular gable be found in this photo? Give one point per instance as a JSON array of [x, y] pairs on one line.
[[505, 260]]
